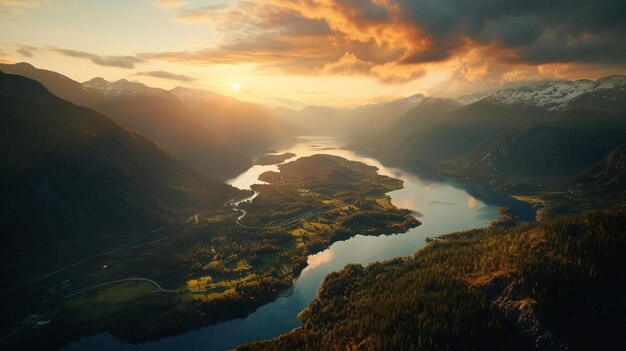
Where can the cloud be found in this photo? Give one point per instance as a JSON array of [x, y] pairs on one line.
[[348, 64], [281, 38], [390, 72], [169, 4], [274, 38], [27, 51], [16, 8], [401, 40], [568, 29], [167, 75], [127, 62]]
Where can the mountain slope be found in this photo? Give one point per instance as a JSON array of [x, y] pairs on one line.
[[604, 182], [555, 285], [439, 129], [58, 84], [545, 112], [245, 127], [551, 95], [415, 123], [584, 131], [154, 112], [164, 118], [379, 116], [575, 140], [71, 173], [355, 123]]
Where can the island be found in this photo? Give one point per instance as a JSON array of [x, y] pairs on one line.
[[221, 263], [273, 159]]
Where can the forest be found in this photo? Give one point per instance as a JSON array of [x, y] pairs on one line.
[[553, 285]]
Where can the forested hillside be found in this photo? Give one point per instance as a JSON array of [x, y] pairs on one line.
[[548, 286], [573, 141]]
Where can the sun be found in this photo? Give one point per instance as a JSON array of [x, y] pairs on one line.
[[235, 86]]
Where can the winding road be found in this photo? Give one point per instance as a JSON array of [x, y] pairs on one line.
[[97, 286]]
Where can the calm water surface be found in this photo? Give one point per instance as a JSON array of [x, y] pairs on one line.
[[444, 206]]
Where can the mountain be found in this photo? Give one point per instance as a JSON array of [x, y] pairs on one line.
[[570, 143], [58, 84], [543, 125], [585, 130], [414, 123], [609, 100], [159, 114], [605, 182], [353, 124], [163, 117], [379, 116], [552, 95], [245, 127], [440, 129], [121, 88], [69, 174], [316, 120]]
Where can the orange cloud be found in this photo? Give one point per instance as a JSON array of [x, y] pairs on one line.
[[399, 41]]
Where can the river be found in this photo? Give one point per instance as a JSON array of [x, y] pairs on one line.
[[443, 206]]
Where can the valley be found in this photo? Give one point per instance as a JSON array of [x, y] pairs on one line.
[[468, 223], [446, 203], [216, 264]]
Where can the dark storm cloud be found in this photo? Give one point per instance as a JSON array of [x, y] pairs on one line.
[[540, 31], [363, 10], [394, 39]]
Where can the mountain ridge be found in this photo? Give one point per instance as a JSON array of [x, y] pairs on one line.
[[72, 172]]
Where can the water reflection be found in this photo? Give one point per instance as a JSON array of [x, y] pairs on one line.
[[317, 260], [472, 202]]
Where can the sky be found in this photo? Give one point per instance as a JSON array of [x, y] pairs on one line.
[[319, 52]]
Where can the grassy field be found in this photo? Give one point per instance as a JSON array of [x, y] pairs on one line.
[[99, 304]]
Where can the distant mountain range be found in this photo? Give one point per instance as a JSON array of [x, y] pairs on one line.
[[544, 129], [351, 124], [551, 95], [214, 134], [538, 130]]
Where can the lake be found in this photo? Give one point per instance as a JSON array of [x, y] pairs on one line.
[[443, 205]]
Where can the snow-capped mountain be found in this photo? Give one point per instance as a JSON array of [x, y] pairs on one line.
[[121, 87], [549, 95], [414, 99], [472, 98]]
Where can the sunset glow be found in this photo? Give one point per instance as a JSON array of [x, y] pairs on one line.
[[359, 51], [261, 175]]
